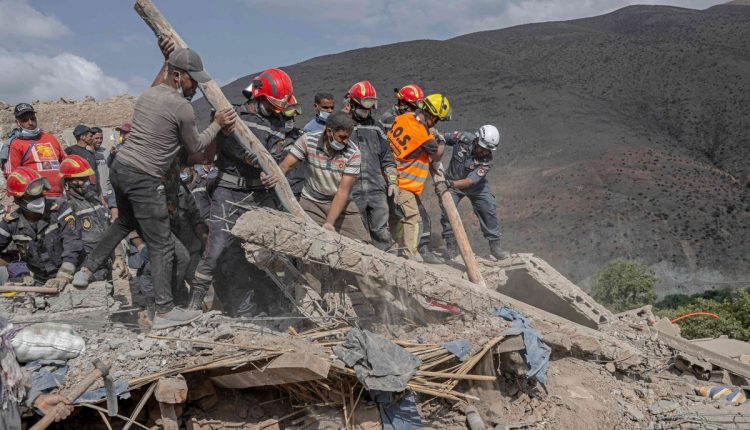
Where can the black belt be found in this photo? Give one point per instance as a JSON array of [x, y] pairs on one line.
[[239, 181]]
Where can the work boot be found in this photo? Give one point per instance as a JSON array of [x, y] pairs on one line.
[[497, 250], [197, 295], [429, 257], [176, 317], [82, 278], [451, 248]]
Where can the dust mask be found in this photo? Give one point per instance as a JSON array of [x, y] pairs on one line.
[[36, 206]]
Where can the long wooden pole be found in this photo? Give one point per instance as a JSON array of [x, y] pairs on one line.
[[464, 247], [242, 134]]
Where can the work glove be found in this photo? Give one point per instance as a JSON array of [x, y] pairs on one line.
[[393, 192], [442, 187], [63, 277]]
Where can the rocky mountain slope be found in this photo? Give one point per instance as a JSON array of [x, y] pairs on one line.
[[624, 135]]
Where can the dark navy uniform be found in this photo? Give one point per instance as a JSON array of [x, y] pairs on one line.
[[370, 190], [464, 165], [93, 218], [47, 244], [237, 182], [184, 224]]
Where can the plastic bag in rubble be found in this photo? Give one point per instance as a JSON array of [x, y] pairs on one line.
[[47, 341]]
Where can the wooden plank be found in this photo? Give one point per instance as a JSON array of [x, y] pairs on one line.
[[285, 369], [464, 247], [242, 134]]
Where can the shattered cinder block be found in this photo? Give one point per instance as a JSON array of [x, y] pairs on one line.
[[533, 281]]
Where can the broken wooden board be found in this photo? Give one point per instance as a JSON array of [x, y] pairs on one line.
[[285, 369], [262, 228]]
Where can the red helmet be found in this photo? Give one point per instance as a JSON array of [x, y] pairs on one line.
[[411, 94], [25, 181], [275, 85], [75, 166], [363, 94]]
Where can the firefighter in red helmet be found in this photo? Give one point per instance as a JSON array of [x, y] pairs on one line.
[[240, 178], [47, 234]]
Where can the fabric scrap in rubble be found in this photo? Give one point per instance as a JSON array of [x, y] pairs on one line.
[[536, 353], [379, 363], [122, 390], [46, 374], [401, 414], [460, 348]]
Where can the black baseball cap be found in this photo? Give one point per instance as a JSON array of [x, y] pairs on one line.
[[80, 129], [189, 61], [23, 108]]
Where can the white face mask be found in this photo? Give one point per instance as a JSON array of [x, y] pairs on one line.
[[36, 206], [335, 144]]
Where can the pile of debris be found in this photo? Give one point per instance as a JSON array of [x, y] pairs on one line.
[[530, 350]]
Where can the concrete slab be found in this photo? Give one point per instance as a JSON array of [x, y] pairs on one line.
[[533, 281], [731, 348]]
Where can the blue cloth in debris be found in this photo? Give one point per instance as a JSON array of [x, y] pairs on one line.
[[537, 352], [460, 348], [46, 374], [401, 414], [121, 389]]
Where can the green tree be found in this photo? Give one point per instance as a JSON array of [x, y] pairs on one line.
[[732, 306], [624, 285]]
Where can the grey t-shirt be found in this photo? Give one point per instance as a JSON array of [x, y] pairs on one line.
[[163, 120]]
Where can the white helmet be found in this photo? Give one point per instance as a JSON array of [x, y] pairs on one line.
[[489, 137]]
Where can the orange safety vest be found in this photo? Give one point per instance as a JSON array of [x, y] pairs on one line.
[[406, 136]]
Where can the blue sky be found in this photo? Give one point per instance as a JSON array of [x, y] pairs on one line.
[[73, 48]]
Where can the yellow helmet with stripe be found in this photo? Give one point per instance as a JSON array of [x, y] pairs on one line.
[[436, 105]]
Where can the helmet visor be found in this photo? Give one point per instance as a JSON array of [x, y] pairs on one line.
[[278, 104], [368, 102], [37, 187]]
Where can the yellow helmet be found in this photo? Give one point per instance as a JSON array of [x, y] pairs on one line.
[[436, 105]]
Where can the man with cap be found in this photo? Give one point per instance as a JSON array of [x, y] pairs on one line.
[[467, 177], [163, 123], [84, 140], [29, 146]]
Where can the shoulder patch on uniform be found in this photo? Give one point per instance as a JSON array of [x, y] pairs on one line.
[[482, 171]]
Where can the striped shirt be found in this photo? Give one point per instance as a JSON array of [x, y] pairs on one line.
[[324, 169]]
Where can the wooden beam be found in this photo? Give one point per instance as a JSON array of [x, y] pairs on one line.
[[451, 212], [242, 134]]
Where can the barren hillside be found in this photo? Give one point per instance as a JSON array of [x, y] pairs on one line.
[[623, 135]]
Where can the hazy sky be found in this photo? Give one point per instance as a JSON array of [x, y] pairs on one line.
[[74, 48]]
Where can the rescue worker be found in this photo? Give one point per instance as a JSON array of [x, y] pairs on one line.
[[296, 177], [83, 135], [467, 177], [88, 209], [199, 188], [188, 225], [29, 146], [240, 179], [324, 105], [332, 163], [163, 123], [46, 233], [378, 178], [407, 99], [414, 148]]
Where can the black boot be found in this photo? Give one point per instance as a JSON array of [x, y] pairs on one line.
[[429, 257], [497, 250], [196, 299], [451, 248]]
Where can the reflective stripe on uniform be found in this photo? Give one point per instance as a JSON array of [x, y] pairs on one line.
[[67, 212], [50, 229], [4, 233], [203, 277], [89, 210], [21, 237], [198, 190], [268, 130], [407, 175]]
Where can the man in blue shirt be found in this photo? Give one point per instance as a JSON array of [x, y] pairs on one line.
[[323, 105]]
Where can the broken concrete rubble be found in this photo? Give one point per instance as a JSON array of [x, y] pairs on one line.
[[262, 228]]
